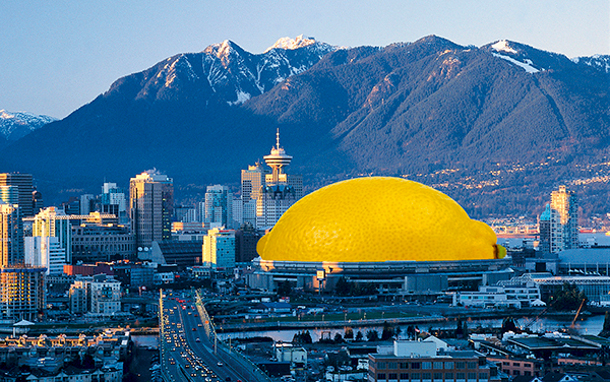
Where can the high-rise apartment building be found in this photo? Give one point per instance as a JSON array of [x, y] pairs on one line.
[[11, 229], [219, 249], [52, 222], [25, 191], [218, 206], [22, 288], [151, 202], [47, 252], [558, 224]]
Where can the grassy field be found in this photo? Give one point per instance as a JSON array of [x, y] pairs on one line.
[[320, 317]]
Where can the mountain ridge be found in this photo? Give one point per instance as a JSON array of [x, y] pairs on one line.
[[478, 123]]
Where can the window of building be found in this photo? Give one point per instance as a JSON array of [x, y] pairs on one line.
[[426, 376], [415, 365], [472, 376], [460, 376], [414, 376], [404, 365], [380, 376], [506, 363], [448, 376], [472, 365], [517, 364], [438, 376], [460, 365], [404, 376], [483, 376], [516, 372], [426, 365], [381, 365], [527, 373], [449, 365], [392, 365], [437, 365], [393, 376]]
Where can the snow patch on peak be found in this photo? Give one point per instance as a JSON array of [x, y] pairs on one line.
[[502, 46], [222, 50], [527, 66], [291, 44], [241, 98]]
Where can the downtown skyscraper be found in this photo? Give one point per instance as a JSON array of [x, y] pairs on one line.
[[151, 202]]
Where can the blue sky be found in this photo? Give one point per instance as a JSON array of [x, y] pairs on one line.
[[59, 55]]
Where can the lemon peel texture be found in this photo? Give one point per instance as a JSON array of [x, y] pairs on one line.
[[378, 219]]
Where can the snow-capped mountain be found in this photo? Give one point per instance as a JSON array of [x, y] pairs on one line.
[[17, 125], [530, 59], [600, 62], [451, 116], [224, 72]]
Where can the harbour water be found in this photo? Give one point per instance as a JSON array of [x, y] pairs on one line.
[[587, 325]]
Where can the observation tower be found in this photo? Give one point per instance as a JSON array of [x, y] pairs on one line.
[[277, 159]]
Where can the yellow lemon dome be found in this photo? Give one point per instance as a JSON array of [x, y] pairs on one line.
[[378, 219]]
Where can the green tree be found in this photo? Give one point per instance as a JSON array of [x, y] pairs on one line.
[[349, 333], [284, 288], [343, 287], [359, 336], [372, 335], [387, 332], [568, 298]]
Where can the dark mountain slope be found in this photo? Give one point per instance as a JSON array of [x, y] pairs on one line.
[[496, 128]]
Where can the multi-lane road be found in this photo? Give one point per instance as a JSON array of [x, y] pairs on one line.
[[189, 350]]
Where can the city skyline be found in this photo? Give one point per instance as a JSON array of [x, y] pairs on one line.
[[61, 56]]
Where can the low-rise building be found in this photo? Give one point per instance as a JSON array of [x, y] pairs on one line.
[[99, 295], [420, 361], [93, 242], [287, 352], [513, 296]]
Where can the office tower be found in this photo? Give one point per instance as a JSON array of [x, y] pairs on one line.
[[278, 193], [87, 204], [25, 189], [564, 232], [246, 239], [252, 181], [52, 222], [37, 201], [114, 202], [151, 202], [238, 212], [219, 249], [218, 206], [185, 214]]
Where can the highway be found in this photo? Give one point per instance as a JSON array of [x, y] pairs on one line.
[[189, 349]]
